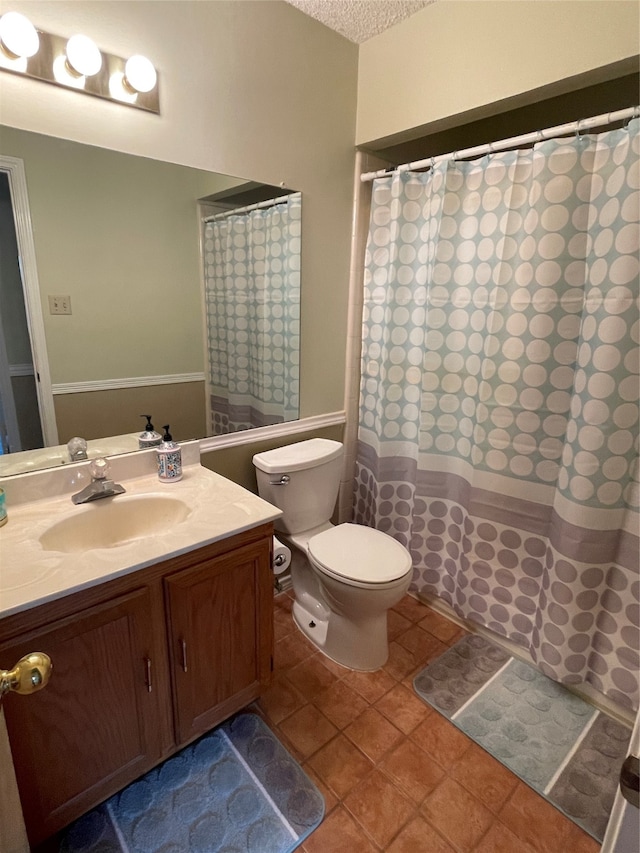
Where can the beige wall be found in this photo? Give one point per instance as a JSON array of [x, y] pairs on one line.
[[236, 464], [100, 414], [462, 59], [239, 96]]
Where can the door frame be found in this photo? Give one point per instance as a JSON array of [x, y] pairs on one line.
[[14, 169], [623, 829]]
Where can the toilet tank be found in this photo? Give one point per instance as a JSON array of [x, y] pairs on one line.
[[308, 498]]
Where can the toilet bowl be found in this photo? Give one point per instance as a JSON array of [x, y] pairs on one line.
[[352, 575]]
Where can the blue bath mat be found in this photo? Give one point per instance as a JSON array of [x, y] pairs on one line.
[[236, 790], [557, 743]]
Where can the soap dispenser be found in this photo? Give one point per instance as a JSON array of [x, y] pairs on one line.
[[169, 458], [149, 438]]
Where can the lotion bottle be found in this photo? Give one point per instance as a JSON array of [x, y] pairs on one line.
[[169, 459]]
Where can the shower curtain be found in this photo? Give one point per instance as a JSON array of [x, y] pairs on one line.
[[498, 435], [252, 298]]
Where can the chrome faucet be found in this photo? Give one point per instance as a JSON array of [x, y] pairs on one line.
[[100, 486], [77, 448]]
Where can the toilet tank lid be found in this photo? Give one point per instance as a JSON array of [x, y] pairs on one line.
[[295, 457]]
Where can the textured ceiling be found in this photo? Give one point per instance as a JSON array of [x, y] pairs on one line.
[[359, 20]]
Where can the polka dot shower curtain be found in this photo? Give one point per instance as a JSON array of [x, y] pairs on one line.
[[498, 433], [252, 297]]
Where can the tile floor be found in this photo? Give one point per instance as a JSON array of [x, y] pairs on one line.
[[396, 775]]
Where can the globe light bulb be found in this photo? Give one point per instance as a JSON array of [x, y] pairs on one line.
[[118, 89], [18, 36], [83, 56], [139, 74]]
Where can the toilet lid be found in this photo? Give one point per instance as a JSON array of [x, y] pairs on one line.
[[359, 553]]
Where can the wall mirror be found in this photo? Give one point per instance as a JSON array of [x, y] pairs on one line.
[[160, 289]]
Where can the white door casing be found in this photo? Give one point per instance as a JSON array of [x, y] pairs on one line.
[[14, 169]]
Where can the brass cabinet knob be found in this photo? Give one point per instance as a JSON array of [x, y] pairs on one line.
[[31, 673]]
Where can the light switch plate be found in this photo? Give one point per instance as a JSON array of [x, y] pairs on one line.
[[59, 305]]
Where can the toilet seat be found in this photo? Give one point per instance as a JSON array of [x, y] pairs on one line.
[[360, 555]]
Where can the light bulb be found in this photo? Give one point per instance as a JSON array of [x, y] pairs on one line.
[[65, 75], [139, 74], [18, 35], [119, 91], [18, 64], [83, 56]]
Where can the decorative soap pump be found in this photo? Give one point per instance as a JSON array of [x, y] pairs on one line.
[[149, 438], [169, 458]]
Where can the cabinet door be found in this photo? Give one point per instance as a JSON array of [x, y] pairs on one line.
[[95, 726], [220, 634]]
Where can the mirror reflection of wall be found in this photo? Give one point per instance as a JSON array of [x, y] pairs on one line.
[[120, 236]]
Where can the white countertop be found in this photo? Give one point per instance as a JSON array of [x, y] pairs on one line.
[[30, 575]]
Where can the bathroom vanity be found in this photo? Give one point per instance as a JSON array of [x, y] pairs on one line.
[[149, 649]]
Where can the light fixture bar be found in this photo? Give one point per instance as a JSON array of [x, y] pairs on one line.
[[50, 65]]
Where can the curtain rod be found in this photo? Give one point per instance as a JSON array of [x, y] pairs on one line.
[[271, 202], [525, 139]]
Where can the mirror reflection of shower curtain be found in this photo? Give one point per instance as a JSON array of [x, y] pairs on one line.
[[252, 297]]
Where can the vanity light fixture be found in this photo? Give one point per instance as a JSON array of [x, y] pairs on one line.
[[76, 63]]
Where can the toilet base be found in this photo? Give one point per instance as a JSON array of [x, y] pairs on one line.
[[361, 645]]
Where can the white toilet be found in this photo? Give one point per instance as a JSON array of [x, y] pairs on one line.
[[353, 574]]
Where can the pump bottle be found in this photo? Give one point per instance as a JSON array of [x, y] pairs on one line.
[[169, 458]]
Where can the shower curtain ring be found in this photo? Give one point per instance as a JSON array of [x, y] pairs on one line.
[[578, 134], [635, 114]]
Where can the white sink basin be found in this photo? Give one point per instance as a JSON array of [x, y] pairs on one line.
[[109, 522]]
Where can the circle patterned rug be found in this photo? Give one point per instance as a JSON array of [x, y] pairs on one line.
[[235, 790], [560, 745]]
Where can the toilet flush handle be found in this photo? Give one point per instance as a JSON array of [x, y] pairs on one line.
[[281, 482]]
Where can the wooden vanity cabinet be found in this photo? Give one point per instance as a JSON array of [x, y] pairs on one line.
[[141, 665], [97, 725], [219, 617]]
